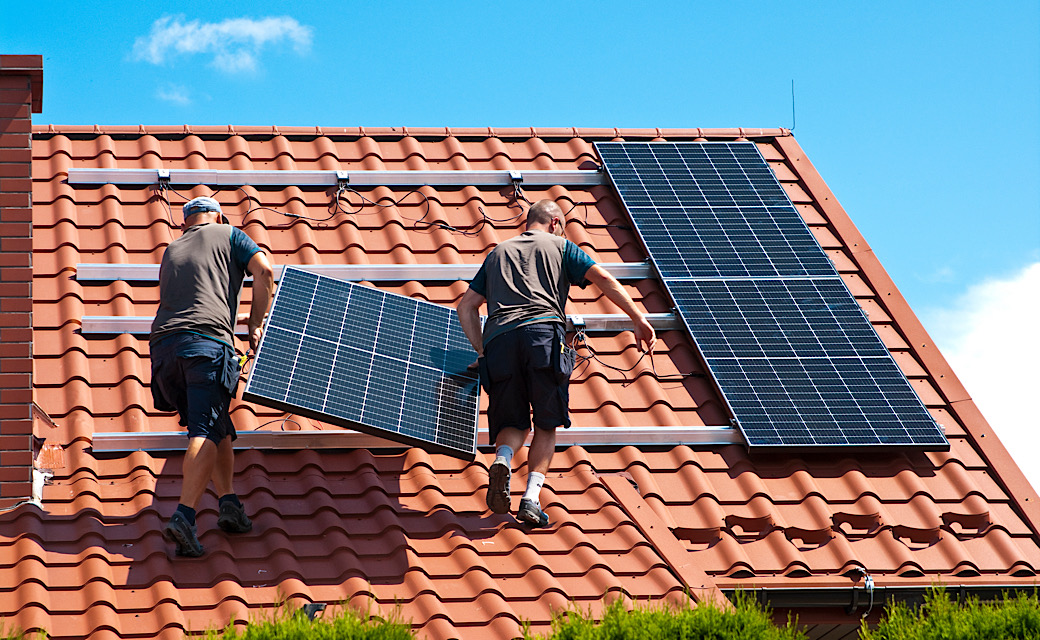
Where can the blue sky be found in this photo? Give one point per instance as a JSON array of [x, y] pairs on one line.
[[922, 117]]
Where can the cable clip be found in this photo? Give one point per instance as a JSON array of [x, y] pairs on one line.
[[342, 178], [163, 176]]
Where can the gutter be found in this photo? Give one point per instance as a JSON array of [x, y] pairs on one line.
[[858, 601]]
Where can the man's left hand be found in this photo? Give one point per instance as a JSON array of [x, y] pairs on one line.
[[255, 334]]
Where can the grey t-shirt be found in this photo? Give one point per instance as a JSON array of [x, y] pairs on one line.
[[526, 280], [200, 282]]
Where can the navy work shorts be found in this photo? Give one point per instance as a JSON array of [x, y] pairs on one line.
[[527, 370], [195, 376]]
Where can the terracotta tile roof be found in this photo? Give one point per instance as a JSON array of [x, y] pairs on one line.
[[388, 527]]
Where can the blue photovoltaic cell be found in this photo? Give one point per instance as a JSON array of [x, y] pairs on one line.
[[790, 348], [374, 361]]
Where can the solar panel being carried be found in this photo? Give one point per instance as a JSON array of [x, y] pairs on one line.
[[792, 352], [362, 358]]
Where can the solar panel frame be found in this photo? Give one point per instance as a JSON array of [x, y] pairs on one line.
[[770, 314], [369, 360]]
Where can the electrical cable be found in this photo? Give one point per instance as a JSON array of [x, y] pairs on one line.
[[580, 341], [287, 418]]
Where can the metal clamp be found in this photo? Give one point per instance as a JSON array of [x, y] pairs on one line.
[[163, 176], [516, 176], [342, 178]]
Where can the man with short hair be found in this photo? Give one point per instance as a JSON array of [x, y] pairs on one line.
[[523, 360], [195, 368]]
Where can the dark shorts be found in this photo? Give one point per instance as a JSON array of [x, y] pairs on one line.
[[527, 370], [196, 377]]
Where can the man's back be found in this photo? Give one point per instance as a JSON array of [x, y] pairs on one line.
[[200, 282], [526, 280]]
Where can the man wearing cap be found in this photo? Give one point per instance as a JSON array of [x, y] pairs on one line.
[[524, 364], [195, 368]]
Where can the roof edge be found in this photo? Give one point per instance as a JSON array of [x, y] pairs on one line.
[[1006, 471], [415, 132]]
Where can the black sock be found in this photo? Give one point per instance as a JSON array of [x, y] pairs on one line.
[[232, 498], [187, 512]]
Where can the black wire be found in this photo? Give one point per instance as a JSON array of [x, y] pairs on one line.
[[418, 224], [284, 420], [579, 340], [166, 205], [585, 221], [518, 193]]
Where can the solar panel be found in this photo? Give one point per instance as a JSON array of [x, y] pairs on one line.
[[790, 348], [712, 210], [378, 362], [799, 364]]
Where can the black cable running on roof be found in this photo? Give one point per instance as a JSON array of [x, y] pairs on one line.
[[580, 341]]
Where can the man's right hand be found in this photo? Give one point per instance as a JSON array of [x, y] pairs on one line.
[[645, 335]]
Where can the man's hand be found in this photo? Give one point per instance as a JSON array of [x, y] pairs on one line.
[[255, 333], [645, 334]]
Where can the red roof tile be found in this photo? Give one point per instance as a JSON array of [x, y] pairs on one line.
[[389, 527]]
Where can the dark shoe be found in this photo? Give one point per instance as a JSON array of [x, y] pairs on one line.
[[498, 486], [531, 515], [233, 518], [178, 531]]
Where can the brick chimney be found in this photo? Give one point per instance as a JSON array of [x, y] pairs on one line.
[[21, 95]]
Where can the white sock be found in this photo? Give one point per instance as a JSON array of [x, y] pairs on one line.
[[506, 452], [535, 481]]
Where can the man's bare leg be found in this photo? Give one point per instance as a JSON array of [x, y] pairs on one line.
[[224, 469], [199, 463]]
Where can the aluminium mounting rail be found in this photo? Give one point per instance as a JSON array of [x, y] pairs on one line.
[[101, 272], [360, 178], [605, 323], [347, 439]]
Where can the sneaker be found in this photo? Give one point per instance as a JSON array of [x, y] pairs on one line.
[[233, 518], [531, 515], [178, 531], [498, 486]]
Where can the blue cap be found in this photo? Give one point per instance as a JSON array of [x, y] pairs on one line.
[[201, 205]]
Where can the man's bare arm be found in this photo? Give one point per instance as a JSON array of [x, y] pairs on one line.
[[611, 288], [263, 286], [469, 317]]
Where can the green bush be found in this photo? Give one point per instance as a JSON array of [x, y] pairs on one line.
[[347, 624], [15, 634], [747, 620], [939, 618]]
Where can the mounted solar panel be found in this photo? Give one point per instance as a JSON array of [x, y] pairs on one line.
[[377, 362], [712, 210], [800, 364], [792, 352]]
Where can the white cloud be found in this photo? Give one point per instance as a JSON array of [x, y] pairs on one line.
[[233, 45], [174, 93], [991, 338]]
